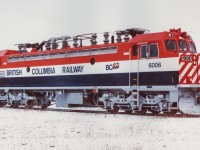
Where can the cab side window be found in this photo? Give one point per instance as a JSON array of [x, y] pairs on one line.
[[144, 51], [153, 50], [135, 50]]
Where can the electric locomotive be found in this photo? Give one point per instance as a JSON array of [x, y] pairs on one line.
[[132, 70]]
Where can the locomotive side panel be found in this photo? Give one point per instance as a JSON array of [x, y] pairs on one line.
[[94, 73]]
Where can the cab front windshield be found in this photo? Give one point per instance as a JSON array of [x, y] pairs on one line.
[[184, 46]]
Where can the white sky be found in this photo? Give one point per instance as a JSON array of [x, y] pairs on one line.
[[24, 21]]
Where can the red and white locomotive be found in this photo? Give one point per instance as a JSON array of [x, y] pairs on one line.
[[135, 71]]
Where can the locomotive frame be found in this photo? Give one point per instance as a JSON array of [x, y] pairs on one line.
[[158, 72]]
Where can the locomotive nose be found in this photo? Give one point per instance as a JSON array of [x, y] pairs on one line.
[[189, 68]]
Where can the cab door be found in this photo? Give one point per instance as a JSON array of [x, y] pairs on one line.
[[145, 62], [149, 64], [134, 66]]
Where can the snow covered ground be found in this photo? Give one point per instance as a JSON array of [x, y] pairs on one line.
[[47, 130]]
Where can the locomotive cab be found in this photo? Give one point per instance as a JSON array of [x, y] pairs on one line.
[[161, 65]]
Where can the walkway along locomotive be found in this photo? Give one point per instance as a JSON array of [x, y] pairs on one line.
[[135, 71]]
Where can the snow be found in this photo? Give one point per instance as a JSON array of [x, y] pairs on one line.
[[22, 129]]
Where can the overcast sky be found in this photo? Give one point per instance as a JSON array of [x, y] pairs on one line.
[[24, 21]]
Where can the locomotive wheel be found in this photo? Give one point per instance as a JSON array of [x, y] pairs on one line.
[[108, 110], [115, 110], [142, 112], [128, 111], [29, 105], [170, 113], [44, 106], [174, 112], [14, 105], [155, 112], [1, 104]]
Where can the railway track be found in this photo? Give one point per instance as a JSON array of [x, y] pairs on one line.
[[91, 111]]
